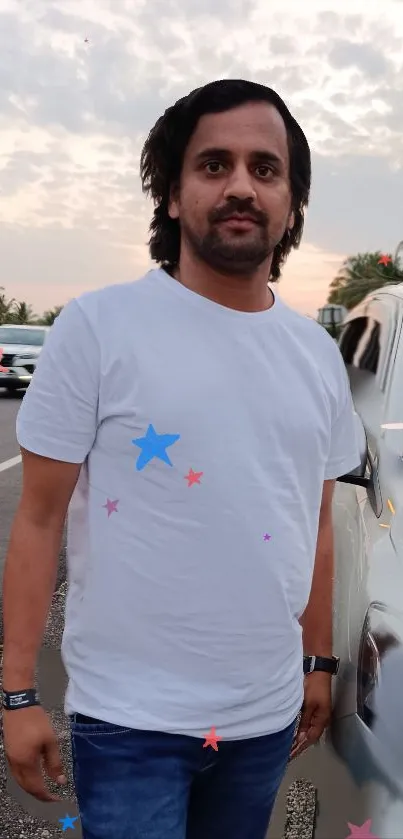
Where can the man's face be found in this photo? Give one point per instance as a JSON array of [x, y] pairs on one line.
[[234, 198]]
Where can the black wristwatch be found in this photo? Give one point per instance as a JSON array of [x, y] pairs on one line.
[[317, 662]]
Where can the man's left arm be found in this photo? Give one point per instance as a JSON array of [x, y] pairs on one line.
[[317, 620], [317, 631]]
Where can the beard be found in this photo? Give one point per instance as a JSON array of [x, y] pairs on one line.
[[231, 253]]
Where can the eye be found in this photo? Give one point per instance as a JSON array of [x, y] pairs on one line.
[[264, 170], [212, 166]]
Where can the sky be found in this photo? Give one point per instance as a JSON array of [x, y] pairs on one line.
[[74, 116]]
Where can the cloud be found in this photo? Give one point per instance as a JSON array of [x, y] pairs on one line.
[[371, 61], [73, 117], [363, 189]]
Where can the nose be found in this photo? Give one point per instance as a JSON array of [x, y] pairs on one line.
[[240, 185]]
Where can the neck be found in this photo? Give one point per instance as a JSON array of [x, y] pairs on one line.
[[248, 293]]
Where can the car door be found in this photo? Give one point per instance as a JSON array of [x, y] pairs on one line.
[[366, 576], [367, 344]]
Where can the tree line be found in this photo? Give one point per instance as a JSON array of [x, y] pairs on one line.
[[20, 312]]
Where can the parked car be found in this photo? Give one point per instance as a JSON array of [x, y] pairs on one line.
[[353, 786], [20, 347]]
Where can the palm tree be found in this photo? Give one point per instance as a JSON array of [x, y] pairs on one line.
[[361, 274], [23, 313], [6, 307], [49, 317]]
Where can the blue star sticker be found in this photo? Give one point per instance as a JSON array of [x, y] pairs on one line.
[[68, 821], [154, 445]]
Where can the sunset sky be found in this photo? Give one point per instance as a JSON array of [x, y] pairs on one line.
[[74, 115]]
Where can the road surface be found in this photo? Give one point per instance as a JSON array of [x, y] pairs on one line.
[[10, 480], [10, 474]]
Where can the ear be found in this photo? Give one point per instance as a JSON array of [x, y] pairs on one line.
[[173, 205], [291, 220]]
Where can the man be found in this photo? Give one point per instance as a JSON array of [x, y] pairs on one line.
[[195, 425]]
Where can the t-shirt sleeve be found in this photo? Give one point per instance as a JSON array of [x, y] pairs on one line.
[[344, 453], [58, 415]]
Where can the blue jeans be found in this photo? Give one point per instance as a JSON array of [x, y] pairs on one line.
[[133, 784]]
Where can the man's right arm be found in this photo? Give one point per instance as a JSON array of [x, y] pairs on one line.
[[56, 429], [31, 563]]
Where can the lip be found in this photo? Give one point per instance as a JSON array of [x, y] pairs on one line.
[[240, 221]]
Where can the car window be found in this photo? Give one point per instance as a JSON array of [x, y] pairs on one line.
[[35, 337], [366, 344], [360, 344]]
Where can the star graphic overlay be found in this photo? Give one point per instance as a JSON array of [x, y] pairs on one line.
[[211, 739], [111, 506], [154, 445], [67, 822], [266, 537], [385, 259], [363, 832], [193, 477]]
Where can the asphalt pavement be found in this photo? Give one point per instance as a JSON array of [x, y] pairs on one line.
[[10, 481], [10, 475], [296, 815]]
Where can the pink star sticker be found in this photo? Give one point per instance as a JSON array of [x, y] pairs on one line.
[[363, 832], [111, 507], [385, 259], [211, 739]]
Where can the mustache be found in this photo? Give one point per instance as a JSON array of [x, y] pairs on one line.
[[238, 207]]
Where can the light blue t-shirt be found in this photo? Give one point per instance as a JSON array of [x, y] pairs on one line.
[[205, 435]]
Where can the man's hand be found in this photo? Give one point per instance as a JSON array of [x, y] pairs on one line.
[[30, 746], [316, 711]]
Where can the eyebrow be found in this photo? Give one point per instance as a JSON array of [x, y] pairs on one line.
[[258, 154]]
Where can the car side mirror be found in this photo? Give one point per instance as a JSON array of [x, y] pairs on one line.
[[357, 476]]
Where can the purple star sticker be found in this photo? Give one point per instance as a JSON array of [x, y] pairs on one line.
[[266, 537]]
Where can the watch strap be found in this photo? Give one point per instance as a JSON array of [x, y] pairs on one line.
[[16, 699], [314, 663]]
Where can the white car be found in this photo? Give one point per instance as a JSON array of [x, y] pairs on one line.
[[355, 789], [20, 347]]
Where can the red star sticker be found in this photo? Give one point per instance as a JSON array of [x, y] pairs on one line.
[[385, 259], [211, 739], [193, 477], [363, 832]]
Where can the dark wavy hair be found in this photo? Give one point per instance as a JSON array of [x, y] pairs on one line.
[[163, 152]]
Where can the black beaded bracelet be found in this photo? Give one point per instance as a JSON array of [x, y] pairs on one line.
[[16, 699]]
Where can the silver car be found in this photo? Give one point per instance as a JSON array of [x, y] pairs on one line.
[[20, 347], [356, 782]]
